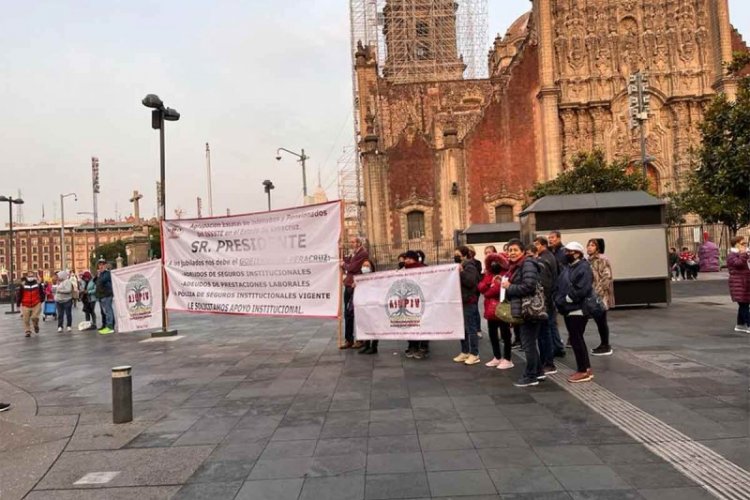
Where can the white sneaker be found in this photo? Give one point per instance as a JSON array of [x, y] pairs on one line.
[[479, 334], [59, 328], [461, 357], [505, 364], [742, 328], [472, 360], [68, 329], [492, 363]]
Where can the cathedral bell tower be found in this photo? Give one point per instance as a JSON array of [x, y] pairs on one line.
[[421, 42]]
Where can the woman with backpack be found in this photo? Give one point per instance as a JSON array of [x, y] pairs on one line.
[[496, 267], [64, 301], [574, 286]]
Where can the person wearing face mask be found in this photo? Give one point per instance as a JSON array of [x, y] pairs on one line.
[[352, 266], [30, 298], [402, 261], [574, 285], [496, 267], [469, 281], [370, 346], [416, 349]]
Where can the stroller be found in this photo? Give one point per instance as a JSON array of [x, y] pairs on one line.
[[50, 306]]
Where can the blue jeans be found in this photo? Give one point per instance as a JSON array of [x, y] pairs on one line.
[[557, 343], [106, 303], [529, 344], [470, 343], [64, 309]]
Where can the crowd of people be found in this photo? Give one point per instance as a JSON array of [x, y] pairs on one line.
[[59, 297], [523, 289]]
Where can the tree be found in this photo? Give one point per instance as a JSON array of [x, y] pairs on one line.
[[154, 237], [719, 189], [110, 252], [590, 173]]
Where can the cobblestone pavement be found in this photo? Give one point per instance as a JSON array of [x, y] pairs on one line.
[[253, 408]]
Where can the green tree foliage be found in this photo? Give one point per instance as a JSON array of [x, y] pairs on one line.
[[110, 251], [719, 189], [154, 237], [590, 173]]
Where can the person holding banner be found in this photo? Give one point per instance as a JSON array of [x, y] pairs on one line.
[[469, 282], [416, 349], [370, 346], [524, 276], [105, 296], [352, 266]]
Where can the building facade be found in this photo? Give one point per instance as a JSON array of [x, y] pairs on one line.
[[38, 247], [440, 153]]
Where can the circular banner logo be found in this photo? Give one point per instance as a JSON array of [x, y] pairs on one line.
[[139, 297], [404, 304]]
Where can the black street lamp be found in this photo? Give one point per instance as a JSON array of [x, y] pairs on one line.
[[267, 187], [302, 157], [159, 115], [11, 283]]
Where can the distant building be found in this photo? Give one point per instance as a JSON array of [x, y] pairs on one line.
[[37, 247]]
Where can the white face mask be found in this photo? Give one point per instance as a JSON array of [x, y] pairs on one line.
[[366, 270]]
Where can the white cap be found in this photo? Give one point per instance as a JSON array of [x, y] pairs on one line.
[[575, 247]]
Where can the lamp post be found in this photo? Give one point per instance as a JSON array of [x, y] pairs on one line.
[[159, 115], [267, 187], [302, 157], [62, 226], [95, 188], [11, 283]]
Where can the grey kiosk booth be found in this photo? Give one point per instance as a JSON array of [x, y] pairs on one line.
[[633, 226], [480, 236]]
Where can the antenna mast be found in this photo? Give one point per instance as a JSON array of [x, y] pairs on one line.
[[210, 189]]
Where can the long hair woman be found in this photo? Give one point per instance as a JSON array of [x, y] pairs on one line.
[[605, 290]]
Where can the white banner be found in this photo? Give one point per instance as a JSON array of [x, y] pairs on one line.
[[415, 304], [137, 296], [281, 263]]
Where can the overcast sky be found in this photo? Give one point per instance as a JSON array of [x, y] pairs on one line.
[[248, 76]]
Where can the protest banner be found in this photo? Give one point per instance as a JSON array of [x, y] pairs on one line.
[[137, 296], [415, 304], [281, 263]]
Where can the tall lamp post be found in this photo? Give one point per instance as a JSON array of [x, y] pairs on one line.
[[62, 226], [95, 188], [267, 187], [159, 115], [11, 283], [302, 157]]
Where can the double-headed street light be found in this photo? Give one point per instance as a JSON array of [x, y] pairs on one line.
[[11, 283], [62, 226], [159, 115], [302, 157], [267, 187]]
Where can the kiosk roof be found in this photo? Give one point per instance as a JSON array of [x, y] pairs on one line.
[[593, 201]]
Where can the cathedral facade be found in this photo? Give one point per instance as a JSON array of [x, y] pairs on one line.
[[440, 153]]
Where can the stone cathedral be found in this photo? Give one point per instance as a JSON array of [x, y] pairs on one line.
[[440, 153]]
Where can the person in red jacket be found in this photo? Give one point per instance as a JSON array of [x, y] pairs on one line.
[[738, 262], [30, 298], [496, 266]]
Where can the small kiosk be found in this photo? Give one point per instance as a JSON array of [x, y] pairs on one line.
[[481, 236], [633, 226]]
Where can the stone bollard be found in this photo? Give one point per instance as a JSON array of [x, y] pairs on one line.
[[122, 395]]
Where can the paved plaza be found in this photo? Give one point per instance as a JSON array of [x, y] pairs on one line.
[[251, 408]]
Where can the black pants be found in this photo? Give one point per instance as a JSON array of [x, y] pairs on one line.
[[603, 326], [373, 344], [576, 326], [529, 344], [743, 314], [690, 270], [416, 345], [493, 327], [348, 314]]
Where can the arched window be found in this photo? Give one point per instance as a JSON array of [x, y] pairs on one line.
[[503, 213], [415, 225]]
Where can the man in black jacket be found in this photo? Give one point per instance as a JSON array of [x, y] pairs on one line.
[[548, 276], [470, 299], [557, 249]]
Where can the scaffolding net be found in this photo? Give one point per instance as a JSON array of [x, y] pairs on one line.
[[350, 191]]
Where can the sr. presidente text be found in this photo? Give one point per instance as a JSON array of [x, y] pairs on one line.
[[255, 244]]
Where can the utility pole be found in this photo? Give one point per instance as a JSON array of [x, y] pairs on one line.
[[95, 187], [200, 207], [210, 188], [639, 101]]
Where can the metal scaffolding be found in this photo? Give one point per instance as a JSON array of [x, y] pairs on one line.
[[350, 191]]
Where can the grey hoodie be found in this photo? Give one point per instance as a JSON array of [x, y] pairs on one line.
[[64, 292]]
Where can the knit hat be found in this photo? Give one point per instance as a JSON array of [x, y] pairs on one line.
[[62, 275], [411, 254]]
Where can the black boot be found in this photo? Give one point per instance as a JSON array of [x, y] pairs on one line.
[[366, 348], [373, 348]]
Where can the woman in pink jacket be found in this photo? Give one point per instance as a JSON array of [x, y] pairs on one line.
[[739, 281]]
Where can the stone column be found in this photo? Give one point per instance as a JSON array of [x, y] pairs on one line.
[[548, 96], [375, 190], [450, 185], [723, 47]]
